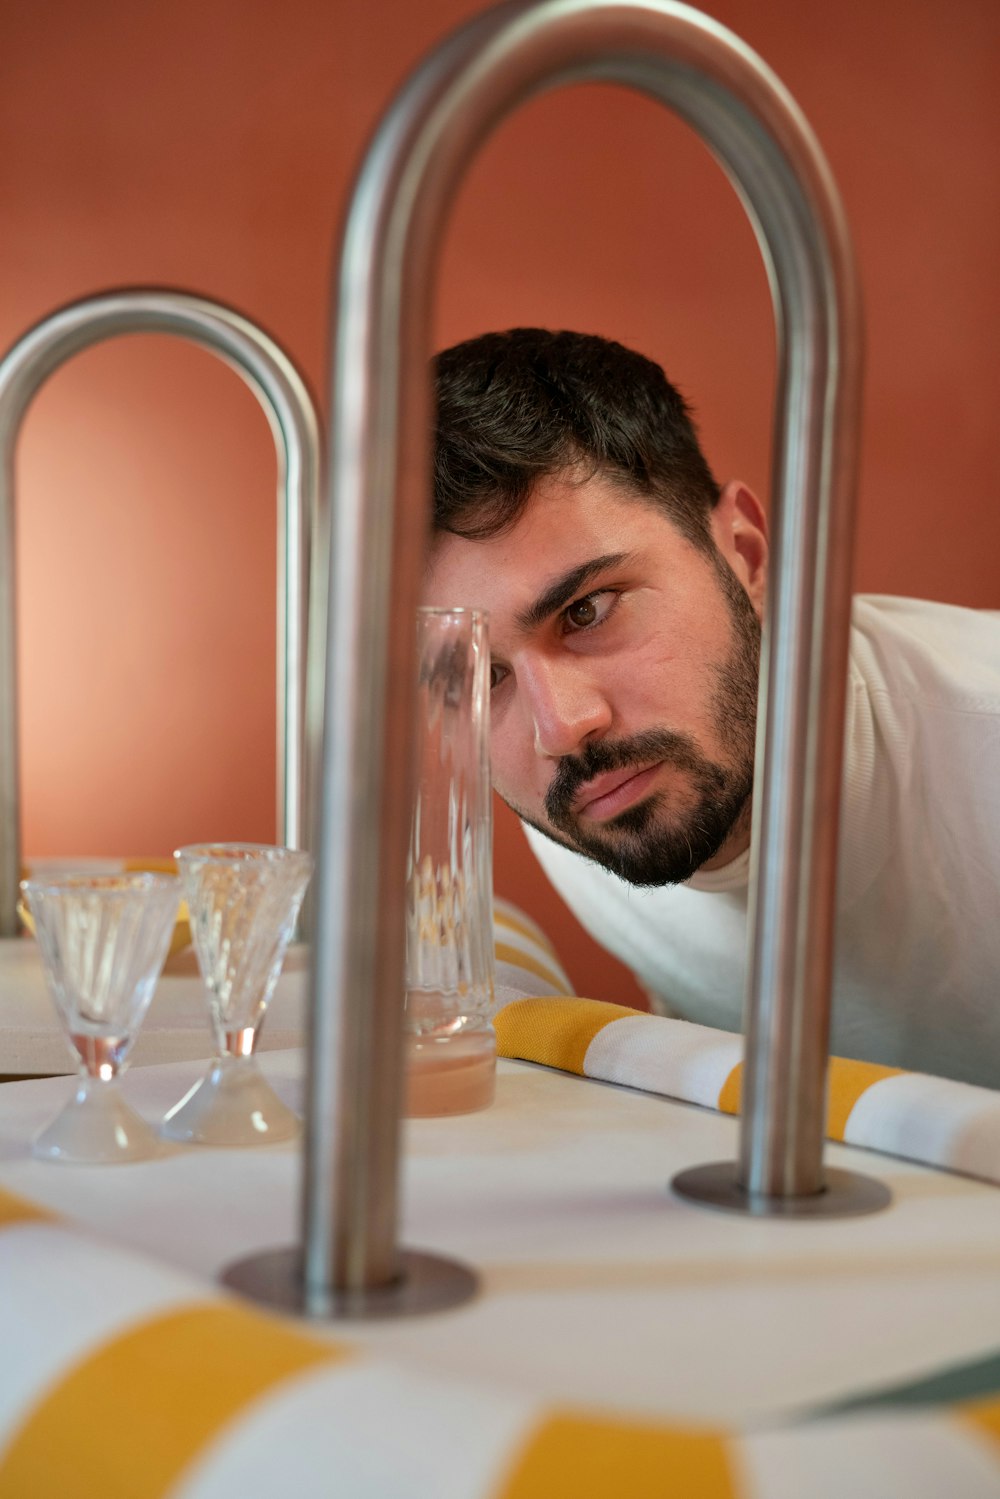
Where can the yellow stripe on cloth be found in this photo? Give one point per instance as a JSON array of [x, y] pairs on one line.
[[731, 1092], [847, 1081], [128, 1420], [555, 1032], [518, 958], [18, 1210], [594, 1459], [524, 928], [984, 1415]]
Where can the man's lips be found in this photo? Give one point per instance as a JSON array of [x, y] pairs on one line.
[[606, 796]]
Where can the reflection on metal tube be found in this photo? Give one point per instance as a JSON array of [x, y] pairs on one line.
[[290, 411], [380, 487]]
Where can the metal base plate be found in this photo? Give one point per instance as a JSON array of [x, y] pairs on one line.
[[847, 1194], [427, 1283]]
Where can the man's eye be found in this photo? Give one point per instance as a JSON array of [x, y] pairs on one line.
[[587, 612], [497, 674]]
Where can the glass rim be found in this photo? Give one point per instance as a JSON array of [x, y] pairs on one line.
[[234, 852], [430, 611], [123, 884]]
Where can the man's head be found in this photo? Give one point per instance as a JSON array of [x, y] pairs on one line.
[[624, 591]]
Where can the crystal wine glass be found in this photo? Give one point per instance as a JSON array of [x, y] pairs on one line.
[[243, 900], [103, 940]]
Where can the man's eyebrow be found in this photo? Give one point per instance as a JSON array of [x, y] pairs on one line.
[[563, 589]]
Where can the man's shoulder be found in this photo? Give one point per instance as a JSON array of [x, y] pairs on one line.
[[923, 618], [921, 649]]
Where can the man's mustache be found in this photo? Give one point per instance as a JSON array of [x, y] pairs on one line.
[[574, 771]]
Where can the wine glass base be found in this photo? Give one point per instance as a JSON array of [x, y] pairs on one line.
[[97, 1128], [232, 1105]]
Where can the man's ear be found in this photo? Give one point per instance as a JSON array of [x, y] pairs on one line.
[[739, 526]]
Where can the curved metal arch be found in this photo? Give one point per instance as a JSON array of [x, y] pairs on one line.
[[292, 417], [380, 427]]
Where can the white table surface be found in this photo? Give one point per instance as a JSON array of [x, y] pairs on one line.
[[598, 1286]]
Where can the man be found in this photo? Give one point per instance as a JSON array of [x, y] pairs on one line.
[[625, 589]]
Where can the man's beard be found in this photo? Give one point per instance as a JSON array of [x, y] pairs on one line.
[[648, 843]]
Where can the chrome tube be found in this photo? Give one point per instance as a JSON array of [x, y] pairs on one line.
[[380, 481], [294, 423]]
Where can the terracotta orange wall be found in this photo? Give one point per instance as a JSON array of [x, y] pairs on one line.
[[209, 144]]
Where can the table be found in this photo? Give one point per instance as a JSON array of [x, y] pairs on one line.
[[599, 1287]]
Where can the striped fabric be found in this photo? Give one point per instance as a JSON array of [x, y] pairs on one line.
[[929, 1119], [526, 962], [955, 1126], [122, 1379]]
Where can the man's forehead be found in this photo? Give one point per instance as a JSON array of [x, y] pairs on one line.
[[481, 573], [564, 526]]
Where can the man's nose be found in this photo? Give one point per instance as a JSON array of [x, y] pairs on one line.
[[566, 705]]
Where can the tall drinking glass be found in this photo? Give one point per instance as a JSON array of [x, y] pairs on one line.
[[451, 1047]]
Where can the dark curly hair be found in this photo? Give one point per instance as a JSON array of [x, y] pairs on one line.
[[515, 407]]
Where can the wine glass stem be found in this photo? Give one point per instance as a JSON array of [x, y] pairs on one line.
[[239, 1043], [100, 1056]]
